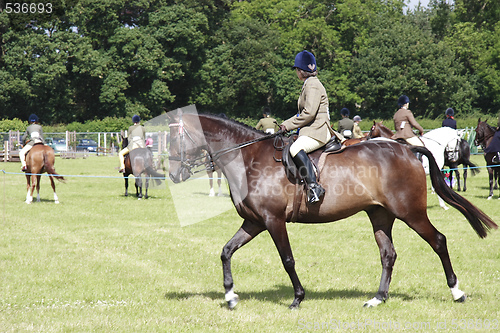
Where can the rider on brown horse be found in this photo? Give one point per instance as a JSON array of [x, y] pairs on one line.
[[34, 133], [136, 139], [313, 120], [404, 121]]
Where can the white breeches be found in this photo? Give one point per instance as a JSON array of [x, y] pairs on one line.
[[305, 143]]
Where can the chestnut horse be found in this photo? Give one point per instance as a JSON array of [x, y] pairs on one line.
[[40, 159], [380, 130], [362, 177], [139, 162], [484, 136]]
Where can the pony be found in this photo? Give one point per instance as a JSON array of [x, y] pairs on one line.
[[40, 159], [139, 162], [484, 137], [363, 177]]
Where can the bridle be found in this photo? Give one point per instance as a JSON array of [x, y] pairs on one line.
[[192, 163]]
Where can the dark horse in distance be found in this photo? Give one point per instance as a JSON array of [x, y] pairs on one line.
[[139, 162], [462, 157], [40, 159], [484, 137], [361, 177]]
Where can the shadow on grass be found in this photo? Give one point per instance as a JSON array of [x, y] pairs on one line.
[[283, 295]]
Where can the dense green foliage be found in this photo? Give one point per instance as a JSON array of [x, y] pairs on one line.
[[90, 59]]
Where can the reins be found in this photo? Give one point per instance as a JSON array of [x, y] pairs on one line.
[[210, 165]]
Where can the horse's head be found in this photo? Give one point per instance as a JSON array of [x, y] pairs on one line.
[[483, 132], [186, 146], [379, 130]]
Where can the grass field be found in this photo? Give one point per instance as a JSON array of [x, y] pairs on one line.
[[102, 262]]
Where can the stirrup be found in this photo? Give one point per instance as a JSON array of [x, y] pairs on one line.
[[314, 193], [121, 171], [24, 169]]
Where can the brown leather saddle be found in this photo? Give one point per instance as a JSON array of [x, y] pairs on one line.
[[282, 144]]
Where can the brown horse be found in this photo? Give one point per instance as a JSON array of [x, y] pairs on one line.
[[362, 177], [379, 130], [484, 136], [139, 162], [40, 159]]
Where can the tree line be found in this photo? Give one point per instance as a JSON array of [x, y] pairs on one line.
[[91, 59]]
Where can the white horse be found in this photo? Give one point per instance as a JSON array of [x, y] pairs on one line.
[[436, 141]]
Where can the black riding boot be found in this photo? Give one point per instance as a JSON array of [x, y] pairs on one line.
[[306, 172]]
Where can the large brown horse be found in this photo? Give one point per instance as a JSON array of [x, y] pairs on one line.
[[382, 178], [40, 159], [484, 136], [139, 162]]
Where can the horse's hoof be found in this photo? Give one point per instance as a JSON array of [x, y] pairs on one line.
[[461, 299], [446, 207], [56, 202], [372, 303], [489, 198], [232, 303], [28, 202]]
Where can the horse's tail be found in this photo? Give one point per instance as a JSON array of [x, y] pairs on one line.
[[480, 222], [153, 173], [473, 168], [49, 167]]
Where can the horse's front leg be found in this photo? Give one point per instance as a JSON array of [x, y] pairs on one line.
[[277, 230], [246, 233]]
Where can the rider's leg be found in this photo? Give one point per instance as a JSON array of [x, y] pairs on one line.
[[299, 150], [22, 155], [121, 155]]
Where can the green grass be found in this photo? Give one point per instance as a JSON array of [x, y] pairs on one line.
[[102, 262]]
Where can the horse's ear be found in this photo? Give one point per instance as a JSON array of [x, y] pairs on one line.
[[374, 123], [479, 120]]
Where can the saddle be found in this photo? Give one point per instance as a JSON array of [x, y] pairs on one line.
[[291, 169]]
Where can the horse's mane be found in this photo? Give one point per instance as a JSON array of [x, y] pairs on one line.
[[232, 122], [490, 127]]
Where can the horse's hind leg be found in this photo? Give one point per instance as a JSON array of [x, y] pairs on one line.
[[56, 199], [147, 185], [246, 233], [38, 178], [437, 241], [29, 190], [492, 175], [382, 222], [465, 177]]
